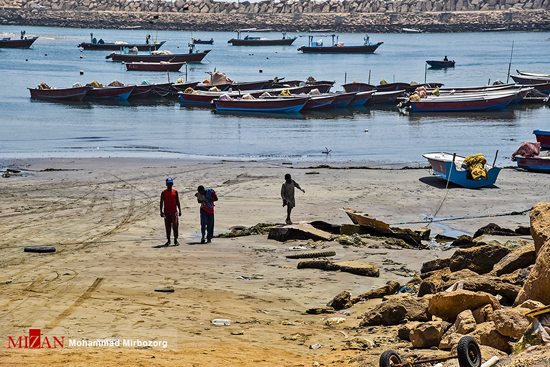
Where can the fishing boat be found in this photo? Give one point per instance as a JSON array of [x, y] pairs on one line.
[[260, 84], [337, 47], [280, 105], [113, 93], [361, 98], [206, 97], [318, 102], [392, 87], [193, 56], [441, 64], [258, 41], [203, 42], [342, 100], [540, 163], [154, 66], [141, 91], [450, 167], [60, 94], [115, 46], [533, 74], [499, 29], [25, 42], [540, 82], [464, 102], [543, 137]]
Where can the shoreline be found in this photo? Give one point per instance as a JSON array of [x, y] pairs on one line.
[[102, 217]]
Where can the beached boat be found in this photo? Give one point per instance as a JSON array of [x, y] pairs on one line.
[[25, 42], [450, 167], [282, 105], [113, 93], [258, 41], [464, 102], [116, 46], [154, 66], [540, 163], [338, 47], [441, 64], [363, 219], [543, 137], [203, 42], [60, 94]]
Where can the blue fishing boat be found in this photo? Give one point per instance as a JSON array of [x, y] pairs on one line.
[[451, 167]]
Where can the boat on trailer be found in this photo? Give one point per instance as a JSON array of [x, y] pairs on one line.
[[450, 167]]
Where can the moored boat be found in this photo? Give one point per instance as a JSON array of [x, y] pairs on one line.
[[541, 83], [358, 87], [258, 41], [361, 98], [337, 47], [141, 91], [115, 93], [154, 66], [464, 102], [318, 102], [389, 97], [451, 167], [203, 42], [193, 56], [25, 42], [342, 100], [116, 46], [411, 30], [60, 94], [282, 105]]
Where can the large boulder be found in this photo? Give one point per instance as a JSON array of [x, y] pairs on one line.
[[520, 258], [431, 285], [487, 334], [341, 301], [511, 321], [426, 335], [480, 259], [447, 305], [483, 313], [465, 322], [540, 224], [494, 229], [396, 309], [538, 283], [450, 338], [494, 286], [436, 264]]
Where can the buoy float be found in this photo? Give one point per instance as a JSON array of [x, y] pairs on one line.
[[81, 72], [261, 71]]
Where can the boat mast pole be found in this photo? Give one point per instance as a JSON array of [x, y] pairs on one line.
[[510, 64], [369, 76]]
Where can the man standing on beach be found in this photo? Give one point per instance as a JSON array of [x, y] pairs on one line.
[[287, 193], [170, 210], [206, 198]]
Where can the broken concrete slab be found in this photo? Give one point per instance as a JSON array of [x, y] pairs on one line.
[[354, 267]]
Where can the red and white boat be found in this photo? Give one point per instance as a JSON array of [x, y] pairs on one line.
[[543, 137]]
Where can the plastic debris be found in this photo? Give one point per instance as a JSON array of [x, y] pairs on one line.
[[221, 322]]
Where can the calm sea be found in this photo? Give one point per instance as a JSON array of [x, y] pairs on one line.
[[165, 128]]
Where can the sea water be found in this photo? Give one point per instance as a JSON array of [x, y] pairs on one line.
[[32, 128]]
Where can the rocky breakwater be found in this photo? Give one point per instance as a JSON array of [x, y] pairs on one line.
[[294, 15]]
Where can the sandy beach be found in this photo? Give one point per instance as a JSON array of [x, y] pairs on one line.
[[102, 215]]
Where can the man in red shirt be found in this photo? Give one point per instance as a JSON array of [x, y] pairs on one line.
[[170, 210]]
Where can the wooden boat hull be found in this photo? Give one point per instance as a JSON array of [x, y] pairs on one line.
[[114, 93], [317, 102], [542, 84], [363, 219], [384, 98], [361, 98], [154, 66], [282, 105], [261, 42], [17, 43], [189, 58], [342, 100], [365, 49], [543, 137], [111, 46], [392, 87], [538, 164], [440, 64], [206, 98], [358, 87], [60, 94], [464, 103], [141, 91], [443, 165]]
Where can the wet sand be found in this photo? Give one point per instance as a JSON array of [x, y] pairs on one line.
[[102, 215]]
